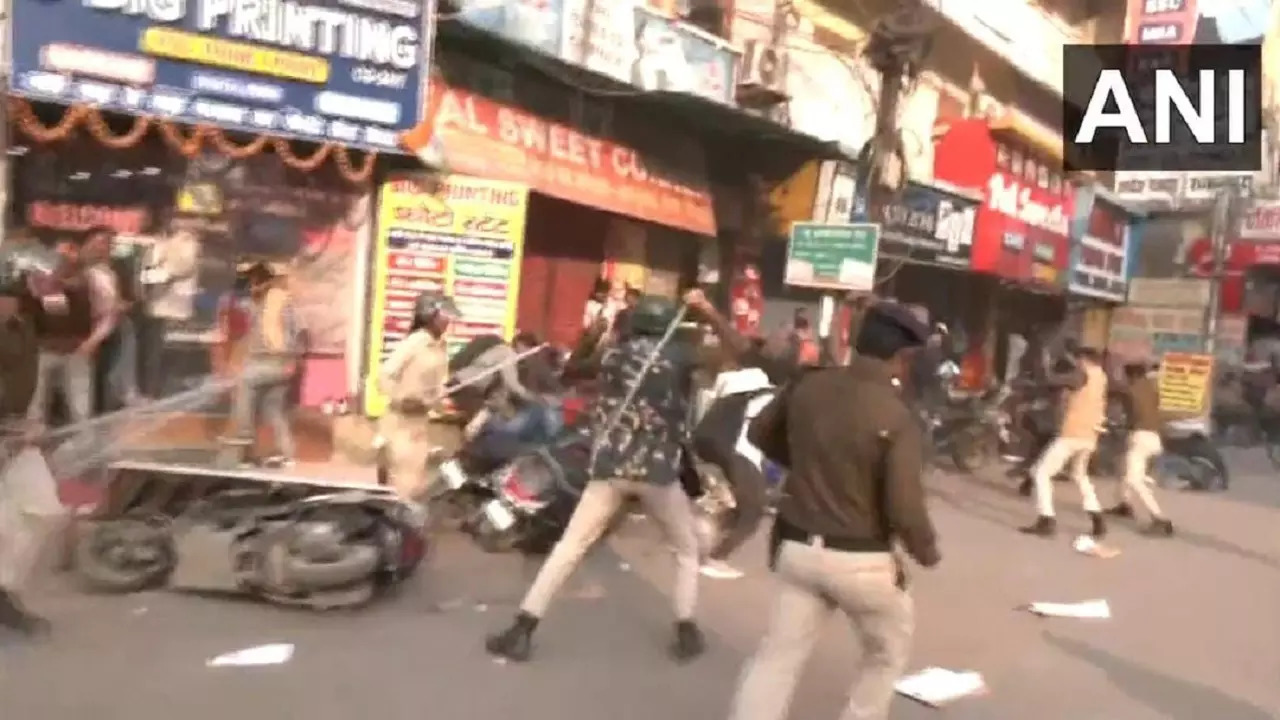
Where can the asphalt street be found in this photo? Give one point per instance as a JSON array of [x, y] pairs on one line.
[[1195, 632]]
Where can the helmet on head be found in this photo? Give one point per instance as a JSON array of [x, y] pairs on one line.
[[429, 305], [651, 315]]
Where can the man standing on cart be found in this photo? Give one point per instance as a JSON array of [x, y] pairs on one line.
[[29, 505]]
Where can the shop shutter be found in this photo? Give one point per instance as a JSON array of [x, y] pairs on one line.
[[563, 252]]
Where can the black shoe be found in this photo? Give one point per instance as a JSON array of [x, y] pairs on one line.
[[1026, 486], [1159, 527], [1044, 526], [1122, 510], [689, 643], [1098, 526], [516, 642], [17, 618]]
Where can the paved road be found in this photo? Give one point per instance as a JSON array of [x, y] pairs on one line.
[[1196, 633]]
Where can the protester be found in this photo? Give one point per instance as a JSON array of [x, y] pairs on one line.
[[73, 313], [272, 351], [119, 356], [29, 507], [1143, 399], [638, 426], [853, 448], [804, 349], [1083, 415], [170, 282], [413, 379]]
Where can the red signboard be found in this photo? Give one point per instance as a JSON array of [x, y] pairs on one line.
[[1021, 231], [1098, 259]]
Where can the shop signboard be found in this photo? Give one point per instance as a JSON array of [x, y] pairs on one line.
[[928, 224], [536, 23], [1029, 223], [1184, 382], [316, 70], [833, 257], [465, 240], [630, 42], [485, 138], [1261, 221], [1099, 251], [1183, 22]]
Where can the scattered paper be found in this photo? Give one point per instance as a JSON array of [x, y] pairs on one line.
[[935, 686], [1089, 609], [1086, 545], [273, 654], [624, 567]]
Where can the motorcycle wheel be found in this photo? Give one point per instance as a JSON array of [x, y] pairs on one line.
[[125, 555], [973, 448]]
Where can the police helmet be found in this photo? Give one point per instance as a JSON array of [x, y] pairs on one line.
[[651, 315], [429, 304]]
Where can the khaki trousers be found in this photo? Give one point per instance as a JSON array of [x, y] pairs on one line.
[[813, 582], [1060, 452], [1143, 445], [408, 447], [30, 512], [600, 501]]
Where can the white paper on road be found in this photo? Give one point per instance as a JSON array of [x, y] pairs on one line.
[[1089, 609], [935, 686], [272, 654]]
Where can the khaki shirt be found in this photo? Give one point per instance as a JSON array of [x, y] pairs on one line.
[[1086, 407], [416, 371]]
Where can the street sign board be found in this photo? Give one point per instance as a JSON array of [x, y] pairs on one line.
[[833, 256]]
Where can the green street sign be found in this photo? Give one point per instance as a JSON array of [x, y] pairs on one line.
[[833, 257]]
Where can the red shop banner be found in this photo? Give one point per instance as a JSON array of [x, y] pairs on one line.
[[1022, 227], [1241, 256]]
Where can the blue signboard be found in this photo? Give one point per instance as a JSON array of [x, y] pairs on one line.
[[343, 71], [538, 24], [929, 225]]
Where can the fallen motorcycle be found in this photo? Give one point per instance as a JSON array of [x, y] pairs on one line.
[[317, 545], [1190, 459]]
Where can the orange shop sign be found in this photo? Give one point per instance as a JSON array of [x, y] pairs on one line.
[[487, 139]]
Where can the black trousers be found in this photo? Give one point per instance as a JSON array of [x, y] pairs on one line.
[[751, 495]]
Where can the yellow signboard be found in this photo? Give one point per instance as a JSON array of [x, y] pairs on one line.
[[465, 239], [1185, 379]]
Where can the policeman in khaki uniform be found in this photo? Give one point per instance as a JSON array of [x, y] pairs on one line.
[[29, 505], [413, 378], [1083, 415], [853, 448]]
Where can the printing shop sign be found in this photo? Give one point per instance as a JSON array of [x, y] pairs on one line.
[[343, 71]]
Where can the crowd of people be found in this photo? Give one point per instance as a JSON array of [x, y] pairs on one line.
[[70, 338], [844, 426]]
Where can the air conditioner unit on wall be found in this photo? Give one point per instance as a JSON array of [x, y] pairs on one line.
[[762, 75]]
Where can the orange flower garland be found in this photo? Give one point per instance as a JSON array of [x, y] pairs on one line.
[[237, 152], [102, 132], [31, 126], [188, 145], [285, 152], [349, 170]]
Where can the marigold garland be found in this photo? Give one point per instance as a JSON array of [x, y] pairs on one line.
[[228, 147], [348, 169], [186, 146], [100, 130], [285, 152], [31, 126], [26, 120]]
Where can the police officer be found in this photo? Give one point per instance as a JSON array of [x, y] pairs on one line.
[[637, 440], [29, 506], [413, 378], [854, 451]]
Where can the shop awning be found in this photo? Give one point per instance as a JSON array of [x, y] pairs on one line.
[[1028, 131], [690, 110]]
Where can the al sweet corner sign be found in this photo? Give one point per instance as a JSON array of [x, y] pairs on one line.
[[833, 257], [344, 71]]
